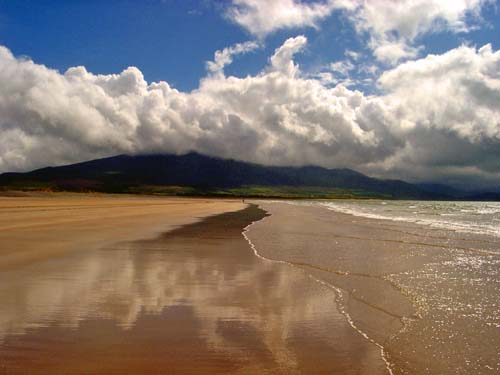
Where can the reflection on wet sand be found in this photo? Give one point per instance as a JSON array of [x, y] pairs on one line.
[[428, 296], [193, 301]]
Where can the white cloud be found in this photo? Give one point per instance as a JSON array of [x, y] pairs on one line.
[[437, 117], [412, 18], [225, 57], [326, 78], [353, 55], [282, 60], [261, 17], [390, 52], [342, 67], [393, 25], [448, 113], [335, 73]]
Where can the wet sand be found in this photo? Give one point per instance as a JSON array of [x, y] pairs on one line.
[[194, 300], [428, 297], [303, 291]]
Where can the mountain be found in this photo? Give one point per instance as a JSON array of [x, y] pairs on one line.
[[195, 174], [442, 189], [488, 196]]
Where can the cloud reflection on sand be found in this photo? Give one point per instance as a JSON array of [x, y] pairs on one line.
[[243, 307]]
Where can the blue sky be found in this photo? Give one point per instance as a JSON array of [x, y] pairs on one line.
[[392, 88], [171, 39]]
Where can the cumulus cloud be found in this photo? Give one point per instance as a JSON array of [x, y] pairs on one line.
[[411, 18], [392, 51], [436, 118], [282, 60], [225, 56], [447, 106], [337, 72], [393, 25], [261, 17]]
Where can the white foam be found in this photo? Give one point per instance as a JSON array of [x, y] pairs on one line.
[[455, 221]]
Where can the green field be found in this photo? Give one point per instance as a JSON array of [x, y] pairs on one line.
[[250, 191], [288, 192]]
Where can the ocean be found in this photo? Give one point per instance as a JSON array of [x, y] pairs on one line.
[[467, 217]]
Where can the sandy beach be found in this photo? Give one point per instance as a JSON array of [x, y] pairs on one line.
[[250, 187], [193, 300], [428, 297], [38, 226], [118, 284]]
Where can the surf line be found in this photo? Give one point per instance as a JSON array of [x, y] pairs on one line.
[[337, 291]]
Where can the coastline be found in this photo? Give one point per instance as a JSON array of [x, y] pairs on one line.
[[404, 286], [268, 287], [192, 300], [339, 296]]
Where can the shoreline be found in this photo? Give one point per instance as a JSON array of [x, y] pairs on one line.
[[336, 290], [405, 290], [265, 279], [237, 312]]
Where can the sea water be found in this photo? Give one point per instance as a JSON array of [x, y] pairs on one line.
[[456, 292], [468, 217]]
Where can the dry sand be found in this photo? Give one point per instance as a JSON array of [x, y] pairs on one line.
[[38, 226]]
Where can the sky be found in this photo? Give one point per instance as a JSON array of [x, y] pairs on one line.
[[406, 89]]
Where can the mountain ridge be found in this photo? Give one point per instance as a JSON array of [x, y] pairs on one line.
[[197, 174]]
